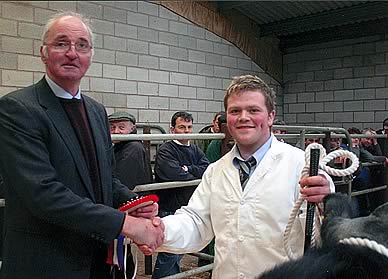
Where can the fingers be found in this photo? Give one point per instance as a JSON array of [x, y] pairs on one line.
[[318, 188], [148, 211]]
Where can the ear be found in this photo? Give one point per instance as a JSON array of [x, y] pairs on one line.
[[271, 118], [172, 130], [43, 57]]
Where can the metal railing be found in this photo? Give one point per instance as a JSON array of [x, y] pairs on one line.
[[325, 133]]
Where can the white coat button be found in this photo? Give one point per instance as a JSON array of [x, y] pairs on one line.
[[241, 238], [241, 275], [242, 202]]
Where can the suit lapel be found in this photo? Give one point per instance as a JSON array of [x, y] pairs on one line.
[[63, 127]]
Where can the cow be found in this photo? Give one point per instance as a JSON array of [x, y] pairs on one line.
[[336, 260]]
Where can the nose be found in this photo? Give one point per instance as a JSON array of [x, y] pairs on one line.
[[115, 130], [71, 52], [243, 115]]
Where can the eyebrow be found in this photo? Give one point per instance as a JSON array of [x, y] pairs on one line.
[[62, 37]]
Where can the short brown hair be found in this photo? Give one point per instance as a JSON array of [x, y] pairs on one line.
[[248, 82]]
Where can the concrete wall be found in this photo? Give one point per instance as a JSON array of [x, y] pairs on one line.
[[339, 83], [147, 60]]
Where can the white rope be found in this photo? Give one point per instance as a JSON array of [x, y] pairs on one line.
[[381, 249], [323, 160]]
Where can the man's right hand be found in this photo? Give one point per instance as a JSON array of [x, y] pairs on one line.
[[144, 231]]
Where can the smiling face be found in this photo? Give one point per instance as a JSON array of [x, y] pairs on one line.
[[66, 68], [249, 120]]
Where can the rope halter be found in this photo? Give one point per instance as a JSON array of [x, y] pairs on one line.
[[323, 160]]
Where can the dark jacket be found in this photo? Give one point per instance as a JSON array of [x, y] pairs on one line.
[[53, 225], [132, 164], [168, 167]]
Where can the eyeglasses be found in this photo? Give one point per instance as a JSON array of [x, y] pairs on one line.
[[64, 46]]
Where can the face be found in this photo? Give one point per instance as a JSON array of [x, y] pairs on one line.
[[249, 121], [355, 142], [310, 141], [182, 127], [121, 127], [335, 143], [366, 141], [67, 68], [278, 132], [216, 127]]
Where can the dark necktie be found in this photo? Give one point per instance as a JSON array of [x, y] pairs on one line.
[[245, 170]]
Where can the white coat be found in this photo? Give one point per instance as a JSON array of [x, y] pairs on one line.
[[248, 226]]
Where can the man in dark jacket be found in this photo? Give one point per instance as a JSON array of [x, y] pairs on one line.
[[132, 163], [177, 160], [56, 165]]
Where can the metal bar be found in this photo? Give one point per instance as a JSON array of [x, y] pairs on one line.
[[192, 136], [370, 190], [203, 256], [148, 265], [191, 272], [166, 185]]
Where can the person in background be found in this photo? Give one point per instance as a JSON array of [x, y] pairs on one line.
[[132, 163], [384, 130], [213, 152], [56, 165], [245, 198], [177, 160], [383, 142], [370, 144], [214, 128], [376, 171], [279, 131], [362, 180], [309, 141]]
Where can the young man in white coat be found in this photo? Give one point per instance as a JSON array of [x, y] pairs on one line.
[[248, 218]]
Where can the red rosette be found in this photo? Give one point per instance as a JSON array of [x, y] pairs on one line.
[[138, 202]]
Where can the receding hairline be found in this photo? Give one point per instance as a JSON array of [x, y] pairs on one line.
[[59, 16]]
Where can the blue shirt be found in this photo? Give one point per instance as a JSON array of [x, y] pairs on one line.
[[258, 155], [60, 92]]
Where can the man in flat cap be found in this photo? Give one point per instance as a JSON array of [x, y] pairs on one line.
[[132, 162]]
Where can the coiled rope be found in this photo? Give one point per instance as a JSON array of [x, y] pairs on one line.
[[371, 244], [323, 160]]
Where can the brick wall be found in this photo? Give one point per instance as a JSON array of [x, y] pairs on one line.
[[147, 60], [340, 83]]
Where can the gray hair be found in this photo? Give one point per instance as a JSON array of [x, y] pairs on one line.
[[60, 15]]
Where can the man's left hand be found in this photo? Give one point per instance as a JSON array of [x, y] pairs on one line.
[[318, 188]]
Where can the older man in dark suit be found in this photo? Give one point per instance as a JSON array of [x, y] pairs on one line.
[[56, 164]]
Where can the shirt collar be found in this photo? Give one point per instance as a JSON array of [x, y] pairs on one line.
[[60, 92], [179, 143], [258, 155]]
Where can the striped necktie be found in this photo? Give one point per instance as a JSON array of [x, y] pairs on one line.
[[245, 170]]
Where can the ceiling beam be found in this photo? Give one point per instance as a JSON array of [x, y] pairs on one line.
[[338, 17], [370, 28]]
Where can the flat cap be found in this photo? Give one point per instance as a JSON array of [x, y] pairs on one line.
[[122, 116]]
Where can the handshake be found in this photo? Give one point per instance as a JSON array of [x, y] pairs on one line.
[[144, 228]]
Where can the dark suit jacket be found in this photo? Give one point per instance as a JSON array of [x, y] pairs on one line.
[[52, 222]]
